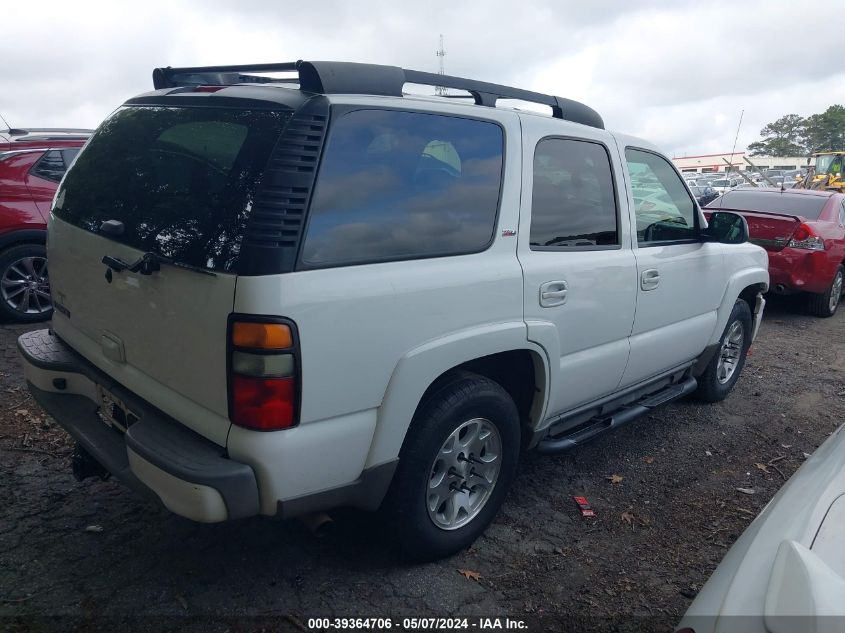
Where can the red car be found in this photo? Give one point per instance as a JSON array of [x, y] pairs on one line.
[[804, 234], [29, 174]]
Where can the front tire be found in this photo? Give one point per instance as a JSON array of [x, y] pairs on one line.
[[455, 467], [723, 370], [25, 284], [825, 304]]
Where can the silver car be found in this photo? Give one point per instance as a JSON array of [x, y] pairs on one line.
[[786, 573]]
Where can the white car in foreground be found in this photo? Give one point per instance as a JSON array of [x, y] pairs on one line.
[[786, 573]]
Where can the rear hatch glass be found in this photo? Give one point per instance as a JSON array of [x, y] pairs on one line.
[[182, 182]]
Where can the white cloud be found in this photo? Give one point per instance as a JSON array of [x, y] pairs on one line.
[[678, 73]]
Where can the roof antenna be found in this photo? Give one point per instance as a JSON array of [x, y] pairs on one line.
[[8, 127], [733, 151], [441, 91]]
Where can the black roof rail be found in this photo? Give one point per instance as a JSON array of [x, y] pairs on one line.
[[371, 79]]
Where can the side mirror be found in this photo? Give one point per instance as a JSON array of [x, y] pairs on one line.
[[726, 228]]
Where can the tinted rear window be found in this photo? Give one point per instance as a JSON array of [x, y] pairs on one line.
[[808, 206], [573, 200], [404, 185], [182, 180]]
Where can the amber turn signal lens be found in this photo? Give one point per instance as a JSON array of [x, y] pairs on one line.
[[261, 335]]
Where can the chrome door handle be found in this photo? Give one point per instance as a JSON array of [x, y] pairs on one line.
[[650, 279], [553, 293]]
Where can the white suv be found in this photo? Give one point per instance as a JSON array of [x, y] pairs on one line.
[[278, 300]]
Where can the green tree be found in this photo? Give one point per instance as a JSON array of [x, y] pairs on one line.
[[825, 132], [784, 137]]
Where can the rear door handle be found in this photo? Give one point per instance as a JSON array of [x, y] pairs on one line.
[[553, 293], [650, 279]]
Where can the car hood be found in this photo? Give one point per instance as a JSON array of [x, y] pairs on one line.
[[740, 584]]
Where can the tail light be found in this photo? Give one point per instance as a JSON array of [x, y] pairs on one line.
[[805, 238], [263, 373]]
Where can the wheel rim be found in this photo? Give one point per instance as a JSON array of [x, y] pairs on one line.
[[25, 285], [730, 352], [463, 474], [835, 291]]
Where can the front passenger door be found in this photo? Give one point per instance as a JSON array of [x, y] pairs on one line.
[[680, 278]]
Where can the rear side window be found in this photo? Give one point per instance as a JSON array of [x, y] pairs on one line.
[[53, 164], [574, 200], [182, 180], [663, 207], [404, 185]]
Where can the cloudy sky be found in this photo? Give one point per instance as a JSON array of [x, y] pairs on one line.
[[678, 73]]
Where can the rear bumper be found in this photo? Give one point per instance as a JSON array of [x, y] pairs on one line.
[[797, 270], [190, 475]]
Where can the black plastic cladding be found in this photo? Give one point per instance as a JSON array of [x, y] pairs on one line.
[[370, 79], [275, 224]]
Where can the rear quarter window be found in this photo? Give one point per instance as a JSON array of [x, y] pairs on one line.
[[404, 185]]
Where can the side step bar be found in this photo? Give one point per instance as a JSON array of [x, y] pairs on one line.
[[600, 424]]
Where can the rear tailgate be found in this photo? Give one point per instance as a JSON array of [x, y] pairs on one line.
[[178, 183], [163, 335]]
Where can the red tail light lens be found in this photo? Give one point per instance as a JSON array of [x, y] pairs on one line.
[[263, 373], [263, 403], [802, 233]]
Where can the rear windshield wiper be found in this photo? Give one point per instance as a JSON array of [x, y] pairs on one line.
[[149, 263]]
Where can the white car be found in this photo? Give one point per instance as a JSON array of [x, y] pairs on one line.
[[274, 300], [723, 185], [786, 573]]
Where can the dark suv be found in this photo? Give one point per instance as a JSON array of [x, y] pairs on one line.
[[32, 162]]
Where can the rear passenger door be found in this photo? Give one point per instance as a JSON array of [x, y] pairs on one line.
[[580, 273], [680, 278]]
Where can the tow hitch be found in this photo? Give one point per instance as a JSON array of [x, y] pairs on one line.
[[85, 466]]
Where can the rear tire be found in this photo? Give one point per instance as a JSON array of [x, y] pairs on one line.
[[825, 304], [438, 503], [24, 284], [723, 370]]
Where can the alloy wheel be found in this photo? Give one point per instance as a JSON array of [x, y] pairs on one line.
[[464, 474], [730, 352], [836, 291], [25, 285]]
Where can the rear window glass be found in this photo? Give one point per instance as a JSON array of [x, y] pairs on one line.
[[404, 185], [573, 198], [182, 180], [805, 205]]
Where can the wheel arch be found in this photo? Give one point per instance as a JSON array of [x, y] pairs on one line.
[[744, 284], [24, 236], [500, 352]]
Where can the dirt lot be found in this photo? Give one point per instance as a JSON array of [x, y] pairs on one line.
[[95, 550]]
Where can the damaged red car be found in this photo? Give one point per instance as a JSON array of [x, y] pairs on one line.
[[804, 233]]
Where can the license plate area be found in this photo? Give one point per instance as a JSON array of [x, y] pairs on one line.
[[113, 411]]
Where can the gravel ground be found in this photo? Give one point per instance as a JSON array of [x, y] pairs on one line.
[[95, 554]]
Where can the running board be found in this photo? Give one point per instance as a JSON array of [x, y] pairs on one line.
[[623, 415]]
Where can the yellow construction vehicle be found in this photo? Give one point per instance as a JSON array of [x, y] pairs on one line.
[[828, 173]]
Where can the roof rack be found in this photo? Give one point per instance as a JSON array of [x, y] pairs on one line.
[[371, 79]]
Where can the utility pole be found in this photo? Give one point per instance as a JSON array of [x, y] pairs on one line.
[[440, 91]]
